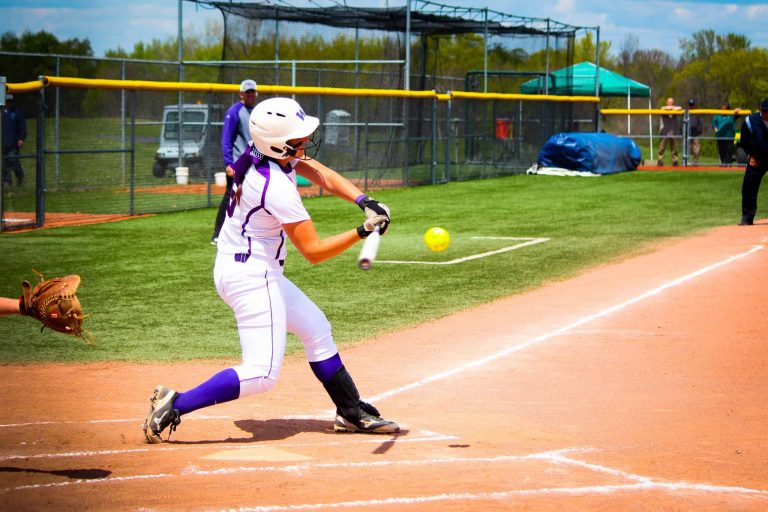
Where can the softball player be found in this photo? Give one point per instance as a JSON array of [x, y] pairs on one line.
[[264, 207]]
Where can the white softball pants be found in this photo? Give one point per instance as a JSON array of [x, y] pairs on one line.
[[267, 306]]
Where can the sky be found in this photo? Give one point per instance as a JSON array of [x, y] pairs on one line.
[[658, 24]]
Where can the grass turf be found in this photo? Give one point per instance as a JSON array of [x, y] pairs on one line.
[[148, 289]]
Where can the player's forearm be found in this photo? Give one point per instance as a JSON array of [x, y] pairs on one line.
[[9, 306], [320, 250], [330, 180]]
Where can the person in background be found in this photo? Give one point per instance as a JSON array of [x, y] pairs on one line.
[[14, 134], [234, 139], [670, 129], [695, 129], [754, 141], [725, 130]]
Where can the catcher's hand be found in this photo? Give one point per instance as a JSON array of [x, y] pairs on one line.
[[54, 303]]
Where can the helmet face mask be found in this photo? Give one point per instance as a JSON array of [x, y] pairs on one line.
[[276, 122], [308, 148]]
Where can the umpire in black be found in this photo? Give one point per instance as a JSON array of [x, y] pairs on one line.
[[754, 141]]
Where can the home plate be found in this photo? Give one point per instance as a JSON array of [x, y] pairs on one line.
[[266, 453]]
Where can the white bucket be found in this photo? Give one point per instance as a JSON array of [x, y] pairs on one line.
[[182, 175], [221, 179]]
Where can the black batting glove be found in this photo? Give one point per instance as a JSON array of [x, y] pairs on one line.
[[373, 208], [371, 223]]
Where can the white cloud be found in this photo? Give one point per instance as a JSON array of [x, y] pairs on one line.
[[683, 13], [757, 11], [563, 6]]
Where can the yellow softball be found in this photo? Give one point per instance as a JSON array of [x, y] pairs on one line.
[[437, 239]]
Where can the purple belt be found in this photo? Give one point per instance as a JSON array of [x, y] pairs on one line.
[[242, 257]]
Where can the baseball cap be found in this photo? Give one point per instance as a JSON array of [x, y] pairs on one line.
[[764, 105], [691, 101], [9, 97], [247, 85]]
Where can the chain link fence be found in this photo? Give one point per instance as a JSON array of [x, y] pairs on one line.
[[111, 146]]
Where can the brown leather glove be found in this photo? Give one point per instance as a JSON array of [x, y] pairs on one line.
[[54, 303]]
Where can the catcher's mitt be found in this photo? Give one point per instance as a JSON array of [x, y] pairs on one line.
[[54, 303]]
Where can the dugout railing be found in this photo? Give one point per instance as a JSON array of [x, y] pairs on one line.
[[100, 163]]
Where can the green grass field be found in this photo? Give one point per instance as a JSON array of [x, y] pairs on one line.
[[148, 289]]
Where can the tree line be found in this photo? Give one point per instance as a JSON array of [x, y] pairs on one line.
[[712, 68]]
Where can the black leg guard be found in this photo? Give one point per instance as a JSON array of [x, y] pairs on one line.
[[352, 414], [344, 394]]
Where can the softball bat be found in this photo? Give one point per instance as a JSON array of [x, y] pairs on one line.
[[369, 250]]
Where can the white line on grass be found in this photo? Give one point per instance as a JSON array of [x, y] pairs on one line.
[[530, 241], [562, 330]]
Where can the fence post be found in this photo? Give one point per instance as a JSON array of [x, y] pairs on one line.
[[406, 139], [448, 134], [132, 184], [432, 153], [207, 160], [122, 122], [2, 160], [686, 133], [366, 134], [40, 160], [57, 126]]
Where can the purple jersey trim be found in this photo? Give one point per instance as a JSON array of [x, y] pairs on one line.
[[247, 219], [252, 157], [262, 168], [282, 243]]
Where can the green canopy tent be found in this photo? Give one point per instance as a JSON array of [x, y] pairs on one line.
[[581, 79]]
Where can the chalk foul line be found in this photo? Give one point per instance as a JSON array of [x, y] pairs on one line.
[[562, 330], [526, 243]]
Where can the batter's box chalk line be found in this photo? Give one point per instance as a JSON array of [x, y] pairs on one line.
[[522, 242]]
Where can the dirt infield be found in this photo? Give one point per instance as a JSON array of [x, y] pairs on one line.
[[57, 220], [640, 385], [60, 219], [304, 191]]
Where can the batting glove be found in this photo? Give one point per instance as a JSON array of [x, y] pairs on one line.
[[372, 208], [367, 227]]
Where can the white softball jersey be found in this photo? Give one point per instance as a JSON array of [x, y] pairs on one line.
[[248, 273]]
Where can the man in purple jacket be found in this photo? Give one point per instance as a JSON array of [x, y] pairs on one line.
[[234, 139]]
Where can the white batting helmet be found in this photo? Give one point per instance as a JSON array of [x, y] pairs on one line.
[[275, 121]]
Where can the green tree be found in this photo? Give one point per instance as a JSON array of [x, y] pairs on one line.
[[719, 68], [701, 45], [585, 50], [25, 69]]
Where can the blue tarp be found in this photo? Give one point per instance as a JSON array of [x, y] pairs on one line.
[[600, 153]]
